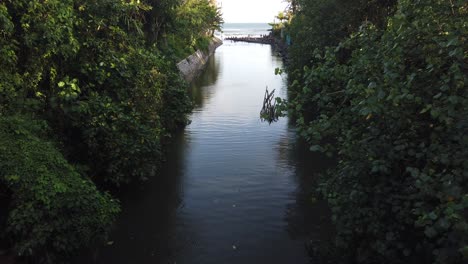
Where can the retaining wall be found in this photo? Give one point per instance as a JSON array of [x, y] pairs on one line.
[[194, 64]]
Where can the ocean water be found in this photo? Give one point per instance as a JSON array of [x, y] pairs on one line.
[[245, 29]]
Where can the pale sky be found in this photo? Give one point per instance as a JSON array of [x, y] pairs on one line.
[[256, 11]]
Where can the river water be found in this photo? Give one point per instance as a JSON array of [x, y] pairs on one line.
[[233, 189]]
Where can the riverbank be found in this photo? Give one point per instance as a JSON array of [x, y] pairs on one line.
[[193, 65]]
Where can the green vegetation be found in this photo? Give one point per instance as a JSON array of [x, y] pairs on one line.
[[202, 19], [54, 210], [281, 21], [382, 86], [93, 84]]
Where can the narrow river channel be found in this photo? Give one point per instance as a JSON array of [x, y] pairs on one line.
[[234, 189]]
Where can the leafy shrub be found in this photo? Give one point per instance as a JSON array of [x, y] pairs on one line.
[[53, 210], [102, 87], [117, 142], [318, 24], [96, 72], [142, 98], [395, 112], [199, 19], [7, 61]]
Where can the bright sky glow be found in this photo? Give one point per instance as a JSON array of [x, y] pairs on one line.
[[251, 11]]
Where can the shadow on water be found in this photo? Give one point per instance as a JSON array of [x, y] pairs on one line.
[[308, 218], [146, 226]]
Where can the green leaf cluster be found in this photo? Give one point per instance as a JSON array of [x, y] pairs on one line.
[[53, 209], [325, 23], [103, 76], [391, 103], [197, 20]]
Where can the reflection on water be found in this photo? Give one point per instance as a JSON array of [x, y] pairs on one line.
[[234, 189], [206, 80], [307, 217]]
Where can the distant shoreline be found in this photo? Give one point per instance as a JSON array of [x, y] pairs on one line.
[[245, 29]]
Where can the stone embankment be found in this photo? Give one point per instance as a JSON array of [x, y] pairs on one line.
[[194, 64]]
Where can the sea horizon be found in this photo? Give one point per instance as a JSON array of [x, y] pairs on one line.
[[241, 29]]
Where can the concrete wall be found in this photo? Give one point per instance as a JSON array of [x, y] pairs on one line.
[[194, 64]]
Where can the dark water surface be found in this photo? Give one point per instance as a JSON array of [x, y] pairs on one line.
[[234, 189]]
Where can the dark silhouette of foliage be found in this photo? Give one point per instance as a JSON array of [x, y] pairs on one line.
[[53, 209], [390, 102]]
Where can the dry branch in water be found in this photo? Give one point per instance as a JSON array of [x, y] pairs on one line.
[[268, 112]]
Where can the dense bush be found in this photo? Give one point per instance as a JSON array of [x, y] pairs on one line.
[[92, 70], [200, 20], [53, 209], [318, 24], [392, 104], [103, 76]]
